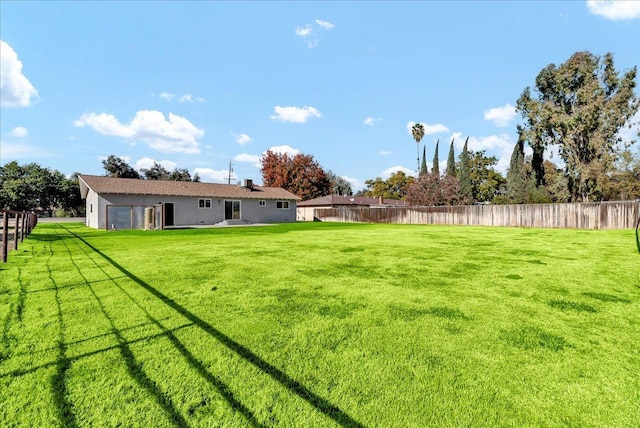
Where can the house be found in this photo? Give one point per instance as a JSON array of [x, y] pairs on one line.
[[128, 203], [305, 211]]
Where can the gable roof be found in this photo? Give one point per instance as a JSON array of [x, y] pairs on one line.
[[134, 186], [342, 200]]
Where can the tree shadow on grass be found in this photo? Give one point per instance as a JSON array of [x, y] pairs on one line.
[[222, 388], [133, 366], [321, 404], [58, 381]]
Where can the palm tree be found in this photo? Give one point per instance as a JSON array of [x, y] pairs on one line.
[[418, 132]]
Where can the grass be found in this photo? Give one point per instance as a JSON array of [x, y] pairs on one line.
[[321, 325]]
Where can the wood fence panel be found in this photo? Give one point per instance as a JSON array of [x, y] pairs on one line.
[[604, 215]]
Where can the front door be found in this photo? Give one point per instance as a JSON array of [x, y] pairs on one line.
[[168, 213], [232, 210]]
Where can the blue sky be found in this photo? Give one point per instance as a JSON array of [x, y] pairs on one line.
[[199, 84]]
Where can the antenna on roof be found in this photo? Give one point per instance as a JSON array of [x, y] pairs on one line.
[[230, 171]]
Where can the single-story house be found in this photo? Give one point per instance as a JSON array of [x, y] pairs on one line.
[[305, 211], [128, 203]]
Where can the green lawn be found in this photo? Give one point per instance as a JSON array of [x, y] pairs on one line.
[[321, 325]]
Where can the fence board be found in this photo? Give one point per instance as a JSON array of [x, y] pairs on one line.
[[603, 215]]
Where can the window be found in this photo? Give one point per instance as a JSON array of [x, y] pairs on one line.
[[263, 203], [204, 203], [283, 205]]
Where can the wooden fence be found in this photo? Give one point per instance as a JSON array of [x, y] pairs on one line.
[[16, 225], [602, 215]]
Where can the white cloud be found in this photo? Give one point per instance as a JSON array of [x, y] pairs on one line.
[[295, 114], [310, 34], [304, 31], [384, 153], [284, 149], [242, 139], [146, 163], [21, 151], [615, 10], [325, 24], [387, 172], [501, 116], [15, 88], [254, 160], [176, 135], [370, 121], [428, 129], [355, 183], [19, 132], [186, 98], [167, 96], [209, 175]]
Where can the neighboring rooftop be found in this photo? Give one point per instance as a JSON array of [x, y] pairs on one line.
[[134, 186], [342, 200]]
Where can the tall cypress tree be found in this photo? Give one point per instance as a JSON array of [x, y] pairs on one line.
[[451, 161], [435, 169], [517, 175], [466, 191], [423, 166]]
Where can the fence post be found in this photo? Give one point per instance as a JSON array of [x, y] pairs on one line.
[[5, 234], [16, 230], [23, 224]]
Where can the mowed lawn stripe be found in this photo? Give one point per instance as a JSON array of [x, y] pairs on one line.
[[321, 325]]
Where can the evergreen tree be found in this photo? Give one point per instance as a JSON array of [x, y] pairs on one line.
[[466, 190], [451, 161], [517, 174], [435, 169], [423, 166]]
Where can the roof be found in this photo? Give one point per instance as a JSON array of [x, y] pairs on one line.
[[342, 200], [134, 186]]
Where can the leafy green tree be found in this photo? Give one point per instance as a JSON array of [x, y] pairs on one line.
[[32, 187], [435, 169], [118, 167], [451, 161], [580, 106], [486, 183], [156, 172], [180, 174], [423, 165], [466, 190], [395, 187], [417, 130], [301, 174]]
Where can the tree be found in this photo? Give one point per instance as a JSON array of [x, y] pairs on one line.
[[180, 174], [70, 199], [118, 167], [451, 161], [395, 187], [32, 187], [466, 191], [417, 130], [156, 172], [300, 174], [431, 190], [517, 177], [580, 106], [423, 165], [435, 169], [486, 183], [625, 181], [339, 185]]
